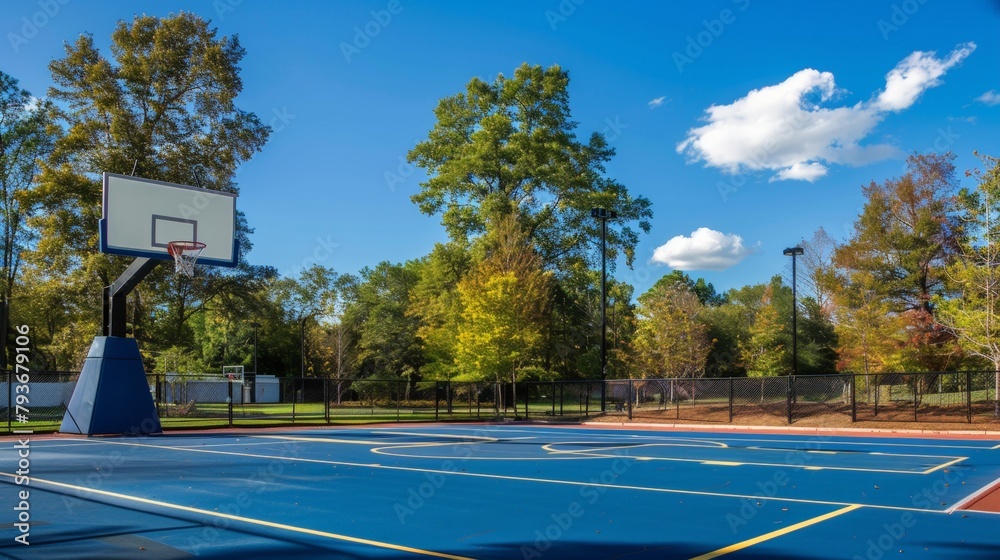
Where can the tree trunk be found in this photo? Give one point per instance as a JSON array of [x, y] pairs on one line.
[[996, 388], [513, 392], [4, 319]]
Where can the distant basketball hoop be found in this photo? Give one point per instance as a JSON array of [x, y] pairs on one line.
[[233, 374], [185, 254]]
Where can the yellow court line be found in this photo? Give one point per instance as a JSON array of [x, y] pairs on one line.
[[520, 478], [249, 520], [775, 534], [946, 465]]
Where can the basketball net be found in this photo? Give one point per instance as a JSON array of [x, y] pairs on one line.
[[185, 254]]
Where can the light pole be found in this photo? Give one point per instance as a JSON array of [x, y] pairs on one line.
[[794, 252], [253, 378], [604, 215]]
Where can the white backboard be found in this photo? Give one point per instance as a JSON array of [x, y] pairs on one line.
[[141, 216]]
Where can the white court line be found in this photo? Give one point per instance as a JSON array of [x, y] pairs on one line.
[[591, 484], [730, 438], [973, 497], [602, 452], [862, 443]]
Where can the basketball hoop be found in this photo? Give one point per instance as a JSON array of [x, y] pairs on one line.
[[185, 254]]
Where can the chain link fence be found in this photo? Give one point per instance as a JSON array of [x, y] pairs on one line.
[[203, 401], [34, 400]]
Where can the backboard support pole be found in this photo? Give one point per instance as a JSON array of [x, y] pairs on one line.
[[115, 294]]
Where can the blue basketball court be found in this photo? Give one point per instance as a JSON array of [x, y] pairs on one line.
[[501, 492]]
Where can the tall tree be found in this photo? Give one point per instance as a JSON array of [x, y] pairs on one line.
[[763, 350], [817, 338], [870, 333], [381, 326], [974, 314], [162, 107], [27, 135], [816, 260], [905, 234], [435, 301], [704, 290], [509, 148], [904, 239], [672, 339], [505, 302], [310, 298]]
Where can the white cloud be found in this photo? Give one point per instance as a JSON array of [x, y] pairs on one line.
[[786, 128], [803, 171], [657, 102], [33, 104], [914, 75], [706, 249], [990, 98]]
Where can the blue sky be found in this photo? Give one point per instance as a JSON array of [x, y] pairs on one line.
[[748, 124]]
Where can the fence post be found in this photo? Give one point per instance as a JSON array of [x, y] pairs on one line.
[[230, 384], [586, 403], [730, 400], [854, 397], [788, 397], [631, 397], [677, 398], [968, 395], [326, 399], [553, 398], [10, 396], [876, 394], [437, 398], [916, 395]]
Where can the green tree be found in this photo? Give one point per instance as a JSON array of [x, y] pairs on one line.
[[505, 302], [672, 339], [870, 333], [904, 238], [704, 290], [974, 314], [311, 297], [27, 136], [381, 327], [162, 107], [509, 148], [435, 301], [763, 351]]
